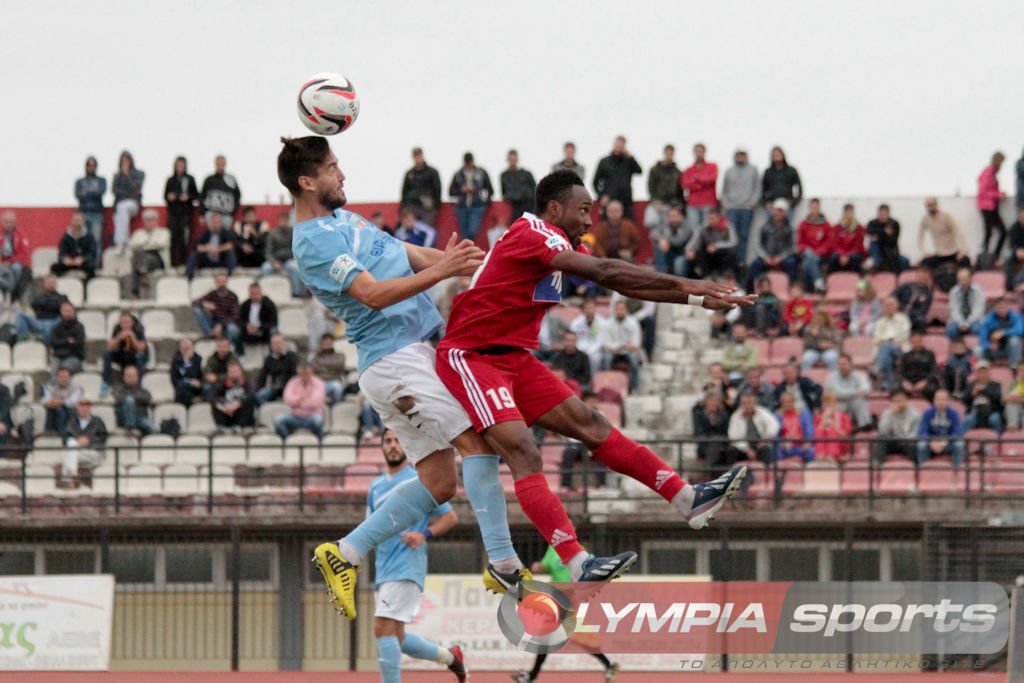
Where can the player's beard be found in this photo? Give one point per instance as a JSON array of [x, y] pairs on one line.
[[331, 200], [395, 461]]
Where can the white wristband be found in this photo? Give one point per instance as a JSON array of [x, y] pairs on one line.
[[695, 300]]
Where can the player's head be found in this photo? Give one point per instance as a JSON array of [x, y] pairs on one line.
[[563, 200], [394, 455], [308, 168]]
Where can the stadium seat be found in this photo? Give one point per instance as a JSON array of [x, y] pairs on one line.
[[992, 282], [566, 313], [642, 410], [95, 324], [239, 284], [103, 480], [30, 356], [42, 259], [358, 477], [12, 379], [1012, 443], [103, 292], [907, 276], [939, 477], [5, 357], [223, 480], [368, 452], [193, 449], [90, 383], [821, 477], [761, 483], [39, 481], [1008, 478], [883, 284], [228, 449], [345, 417], [116, 264], [790, 475], [816, 375], [47, 449], [105, 413], [780, 284], [157, 449], [1002, 375], [860, 349], [785, 348], [896, 477], [921, 405], [159, 324], [772, 375], [982, 441], [172, 291], [937, 344], [841, 287], [611, 379], [939, 311], [303, 444], [347, 349], [277, 288], [612, 411], [167, 411], [9, 490], [338, 449], [671, 341], [205, 348], [292, 322], [264, 450], [200, 286], [143, 480], [73, 289], [268, 411], [200, 419], [126, 448], [855, 478], [764, 348], [180, 480], [159, 386]]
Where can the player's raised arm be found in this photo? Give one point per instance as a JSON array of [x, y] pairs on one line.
[[424, 257]]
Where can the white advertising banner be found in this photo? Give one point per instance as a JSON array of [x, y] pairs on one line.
[[55, 623], [456, 610]]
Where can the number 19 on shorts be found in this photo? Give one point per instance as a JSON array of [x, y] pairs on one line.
[[502, 398]]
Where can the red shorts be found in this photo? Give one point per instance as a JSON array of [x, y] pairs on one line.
[[500, 387]]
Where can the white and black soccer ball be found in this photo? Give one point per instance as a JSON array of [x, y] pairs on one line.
[[328, 103]]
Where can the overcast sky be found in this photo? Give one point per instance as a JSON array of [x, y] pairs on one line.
[[880, 98]]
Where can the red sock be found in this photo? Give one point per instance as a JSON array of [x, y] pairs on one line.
[[547, 514], [639, 462]]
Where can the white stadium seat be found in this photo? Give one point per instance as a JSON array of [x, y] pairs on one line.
[[103, 292], [5, 357], [239, 284], [166, 411], [30, 356], [172, 291], [90, 383], [200, 286], [338, 449], [223, 479], [42, 259], [292, 322], [159, 324], [143, 480], [39, 481], [193, 449], [157, 449], [264, 450], [103, 480], [301, 443], [159, 386], [181, 480], [229, 449], [277, 288], [95, 324], [73, 289], [200, 419], [116, 264]]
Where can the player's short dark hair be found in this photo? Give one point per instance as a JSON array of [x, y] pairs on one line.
[[556, 186], [300, 157], [897, 392]]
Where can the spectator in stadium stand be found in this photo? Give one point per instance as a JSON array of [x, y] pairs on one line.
[[957, 368], [983, 399], [775, 246], [663, 180], [918, 368], [250, 239], [472, 191], [550, 340], [644, 312], [321, 322], [233, 405], [46, 309], [795, 428], [414, 231], [568, 161], [712, 250], [719, 382], [669, 239], [127, 346], [369, 420], [1015, 259], [8, 432], [132, 403], [764, 392], [814, 246], [85, 436], [741, 194], [915, 298], [279, 366], [966, 306], [500, 227], [850, 388], [257, 319], [822, 340], [150, 247], [186, 373], [620, 343], [421, 189], [329, 366], [941, 432], [949, 245], [377, 218], [89, 191], [67, 341], [572, 360], [215, 247], [898, 429], [575, 452], [752, 432], [848, 250], [806, 392], [711, 429], [832, 422], [127, 189], [15, 256], [987, 201], [765, 316], [781, 181], [279, 257], [616, 236], [305, 396], [1001, 333], [76, 251], [721, 329], [883, 233], [1013, 401], [613, 179], [220, 193], [216, 368], [517, 187], [740, 355], [217, 310], [60, 396], [864, 309], [181, 194], [587, 326], [797, 311], [699, 182]]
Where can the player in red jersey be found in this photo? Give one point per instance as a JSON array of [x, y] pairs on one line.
[[484, 362]]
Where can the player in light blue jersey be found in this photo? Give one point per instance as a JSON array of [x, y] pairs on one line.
[[377, 285], [401, 568]]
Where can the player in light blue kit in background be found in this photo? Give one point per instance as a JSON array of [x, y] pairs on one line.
[[401, 568]]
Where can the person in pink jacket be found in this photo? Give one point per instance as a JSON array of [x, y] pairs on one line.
[[989, 197], [306, 395]]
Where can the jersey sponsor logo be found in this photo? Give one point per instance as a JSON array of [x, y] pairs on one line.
[[549, 289], [379, 245], [341, 267], [556, 242]]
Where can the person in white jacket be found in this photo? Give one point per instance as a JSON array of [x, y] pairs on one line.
[[150, 248], [892, 337], [752, 430], [587, 326], [966, 306]]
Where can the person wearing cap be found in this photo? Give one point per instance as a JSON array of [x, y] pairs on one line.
[[984, 400], [85, 435], [151, 250], [775, 246], [421, 189], [740, 195], [699, 182]]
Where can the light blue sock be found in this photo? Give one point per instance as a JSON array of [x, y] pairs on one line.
[[420, 648], [487, 496], [389, 658], [407, 505]]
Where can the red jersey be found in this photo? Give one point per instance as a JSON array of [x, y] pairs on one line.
[[511, 290]]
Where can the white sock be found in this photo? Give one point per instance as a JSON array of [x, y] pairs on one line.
[[445, 656], [509, 565], [684, 499], [576, 564], [349, 552]]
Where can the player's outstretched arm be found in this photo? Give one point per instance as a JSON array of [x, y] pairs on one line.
[[424, 257]]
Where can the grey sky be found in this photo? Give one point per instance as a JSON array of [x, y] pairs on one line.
[[868, 98]]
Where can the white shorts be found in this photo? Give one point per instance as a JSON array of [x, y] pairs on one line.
[[434, 419], [398, 600]]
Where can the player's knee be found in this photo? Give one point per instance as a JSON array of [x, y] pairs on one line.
[[382, 628], [442, 491], [523, 458], [594, 428]]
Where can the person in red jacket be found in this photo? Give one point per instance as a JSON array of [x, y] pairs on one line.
[[15, 256], [698, 182], [797, 311], [814, 245], [848, 250], [988, 200], [832, 422]]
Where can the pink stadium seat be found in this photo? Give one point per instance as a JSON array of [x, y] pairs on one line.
[[982, 441], [763, 348], [616, 380], [939, 345], [907, 276], [612, 411], [938, 311], [1002, 375], [566, 313], [772, 375], [938, 476], [841, 287], [1009, 478], [883, 284], [816, 375], [369, 453], [862, 445], [896, 477], [855, 478], [992, 282], [877, 406], [761, 484], [780, 284], [920, 405], [791, 472], [784, 348], [860, 349], [821, 477], [1012, 444], [358, 478]]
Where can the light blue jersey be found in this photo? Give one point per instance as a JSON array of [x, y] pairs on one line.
[[331, 252], [395, 560]]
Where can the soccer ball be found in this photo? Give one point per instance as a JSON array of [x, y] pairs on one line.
[[328, 104]]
